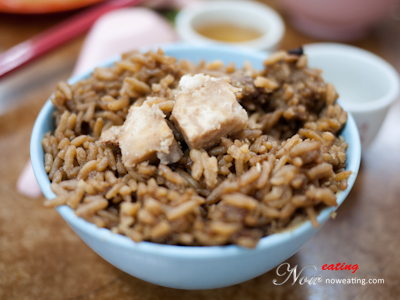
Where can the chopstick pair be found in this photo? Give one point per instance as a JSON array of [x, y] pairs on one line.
[[42, 43]]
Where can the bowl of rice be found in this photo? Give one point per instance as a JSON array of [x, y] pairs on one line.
[[196, 167]]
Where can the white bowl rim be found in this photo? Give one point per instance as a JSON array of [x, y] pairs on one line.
[[173, 251], [373, 60], [266, 42]]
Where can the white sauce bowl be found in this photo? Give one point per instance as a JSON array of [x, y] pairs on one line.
[[240, 13], [367, 85]]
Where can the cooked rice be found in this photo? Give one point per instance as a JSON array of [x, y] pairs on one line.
[[283, 168]]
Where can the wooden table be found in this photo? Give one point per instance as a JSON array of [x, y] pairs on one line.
[[42, 258]]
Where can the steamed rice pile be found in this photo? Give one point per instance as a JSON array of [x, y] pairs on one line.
[[286, 165]]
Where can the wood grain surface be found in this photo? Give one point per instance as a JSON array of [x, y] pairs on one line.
[[42, 258]]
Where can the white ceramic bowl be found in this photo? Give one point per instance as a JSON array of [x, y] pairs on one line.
[[367, 84], [241, 13], [186, 267]]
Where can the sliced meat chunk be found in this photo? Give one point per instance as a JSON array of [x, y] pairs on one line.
[[145, 136], [206, 110]]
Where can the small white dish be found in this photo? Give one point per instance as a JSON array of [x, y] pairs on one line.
[[367, 85], [249, 14]]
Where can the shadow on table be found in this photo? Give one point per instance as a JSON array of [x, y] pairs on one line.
[[257, 288]]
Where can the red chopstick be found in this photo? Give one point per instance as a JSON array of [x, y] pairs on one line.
[[42, 43]]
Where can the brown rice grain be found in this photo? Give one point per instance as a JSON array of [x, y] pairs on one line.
[[57, 164], [240, 201], [138, 86], [76, 197], [86, 168], [57, 201], [343, 175], [57, 177], [322, 194], [89, 209], [69, 158], [312, 216], [80, 156], [48, 161], [98, 127], [182, 209], [160, 230], [224, 228]]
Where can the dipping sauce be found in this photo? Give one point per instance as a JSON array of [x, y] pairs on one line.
[[226, 32]]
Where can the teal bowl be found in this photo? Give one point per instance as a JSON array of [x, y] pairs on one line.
[[186, 267]]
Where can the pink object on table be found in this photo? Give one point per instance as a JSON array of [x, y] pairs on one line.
[[339, 20], [27, 184], [115, 32], [123, 30]]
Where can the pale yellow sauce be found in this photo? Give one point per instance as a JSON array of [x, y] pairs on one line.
[[226, 32]]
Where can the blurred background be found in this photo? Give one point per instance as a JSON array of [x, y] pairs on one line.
[[40, 256]]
